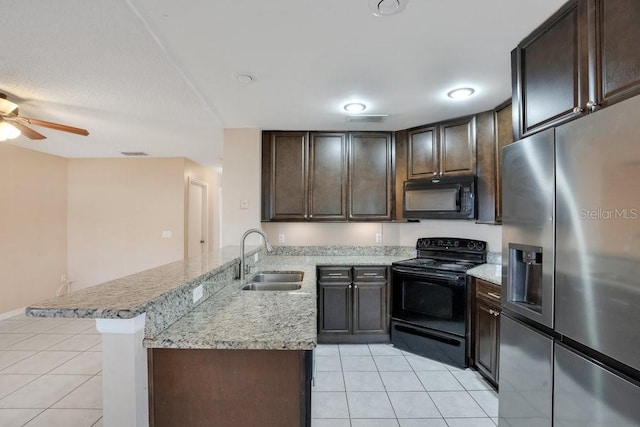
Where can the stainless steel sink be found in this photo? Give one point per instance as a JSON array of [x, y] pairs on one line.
[[272, 286], [277, 276], [275, 281]]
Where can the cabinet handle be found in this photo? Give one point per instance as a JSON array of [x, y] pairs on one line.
[[578, 110], [349, 286], [493, 295], [371, 274], [592, 106], [335, 274], [355, 286], [496, 313]]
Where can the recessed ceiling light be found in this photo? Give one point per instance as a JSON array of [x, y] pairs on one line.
[[462, 92], [245, 78], [355, 107], [387, 7]]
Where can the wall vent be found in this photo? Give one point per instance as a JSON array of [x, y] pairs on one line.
[[367, 118], [134, 153]]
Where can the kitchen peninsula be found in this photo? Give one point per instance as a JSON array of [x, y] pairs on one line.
[[156, 309]]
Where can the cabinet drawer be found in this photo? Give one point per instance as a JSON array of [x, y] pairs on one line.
[[369, 274], [488, 292], [334, 274]]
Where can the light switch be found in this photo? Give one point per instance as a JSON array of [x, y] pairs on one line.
[[166, 234], [244, 204], [281, 238]]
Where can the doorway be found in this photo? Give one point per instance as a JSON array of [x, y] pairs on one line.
[[197, 210]]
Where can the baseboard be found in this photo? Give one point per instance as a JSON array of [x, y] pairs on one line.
[[12, 313]]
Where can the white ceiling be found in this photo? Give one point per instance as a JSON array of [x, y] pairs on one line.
[[160, 76]]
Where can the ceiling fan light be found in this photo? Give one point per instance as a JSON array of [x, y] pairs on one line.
[[8, 131]]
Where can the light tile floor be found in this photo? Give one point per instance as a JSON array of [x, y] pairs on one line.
[[50, 375], [381, 386]]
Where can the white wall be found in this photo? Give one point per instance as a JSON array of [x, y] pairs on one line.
[[117, 211], [241, 170], [33, 225]]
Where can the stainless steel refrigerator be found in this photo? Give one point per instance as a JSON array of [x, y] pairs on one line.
[[570, 330]]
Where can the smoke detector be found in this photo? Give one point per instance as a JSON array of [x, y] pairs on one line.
[[387, 7]]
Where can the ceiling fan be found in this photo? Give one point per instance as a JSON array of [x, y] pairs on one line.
[[12, 125]]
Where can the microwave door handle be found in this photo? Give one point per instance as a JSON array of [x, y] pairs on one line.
[[459, 198]]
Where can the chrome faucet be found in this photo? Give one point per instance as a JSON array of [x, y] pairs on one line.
[[244, 236]]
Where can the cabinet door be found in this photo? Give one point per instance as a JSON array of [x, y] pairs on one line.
[[504, 137], [370, 176], [486, 339], [458, 146], [285, 175], [335, 308], [423, 152], [614, 57], [550, 70], [370, 308], [328, 176]]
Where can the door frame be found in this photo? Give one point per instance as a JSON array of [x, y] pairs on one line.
[[204, 213]]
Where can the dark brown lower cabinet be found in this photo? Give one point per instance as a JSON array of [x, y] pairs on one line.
[[229, 388], [353, 304], [486, 329]]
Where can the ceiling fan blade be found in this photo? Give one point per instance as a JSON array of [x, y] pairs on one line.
[[56, 126], [28, 132], [7, 107]]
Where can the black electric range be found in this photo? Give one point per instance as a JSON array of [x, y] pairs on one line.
[[430, 298]]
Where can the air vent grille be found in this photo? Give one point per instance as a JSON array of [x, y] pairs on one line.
[[134, 153], [367, 118]]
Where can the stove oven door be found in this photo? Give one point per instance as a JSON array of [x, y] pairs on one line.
[[433, 300]]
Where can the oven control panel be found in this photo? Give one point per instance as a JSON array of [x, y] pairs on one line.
[[453, 244]]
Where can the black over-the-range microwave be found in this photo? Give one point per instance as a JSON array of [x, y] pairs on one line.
[[440, 198]]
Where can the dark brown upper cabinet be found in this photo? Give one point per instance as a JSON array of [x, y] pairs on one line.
[[370, 176], [446, 148], [583, 58], [494, 131], [284, 175], [458, 146], [327, 176], [549, 70], [423, 152], [304, 176], [614, 57]]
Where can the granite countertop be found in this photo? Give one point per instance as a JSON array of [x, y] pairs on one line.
[[489, 272], [236, 319], [130, 296]]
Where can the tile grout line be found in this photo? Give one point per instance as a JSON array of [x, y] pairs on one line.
[[48, 373]]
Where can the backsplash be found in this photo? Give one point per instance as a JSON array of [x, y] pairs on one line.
[[494, 257], [407, 251]]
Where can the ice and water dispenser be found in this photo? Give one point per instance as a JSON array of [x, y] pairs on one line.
[[525, 276]]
